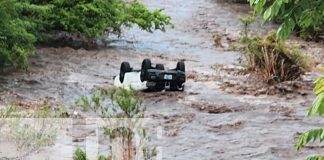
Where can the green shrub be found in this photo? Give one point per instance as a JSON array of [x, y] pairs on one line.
[[102, 158], [33, 136], [246, 22], [79, 155], [16, 42], [11, 111], [34, 133], [23, 22], [273, 59], [116, 107], [92, 18]]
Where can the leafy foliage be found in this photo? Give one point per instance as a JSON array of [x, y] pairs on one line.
[[119, 103], [317, 157], [318, 104], [306, 15], [93, 18], [246, 22], [79, 155], [31, 130], [26, 21], [316, 108], [319, 86], [102, 158], [16, 42], [120, 109], [309, 136], [11, 111], [32, 136]]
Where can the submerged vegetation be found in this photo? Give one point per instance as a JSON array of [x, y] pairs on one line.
[[271, 57], [25, 22]]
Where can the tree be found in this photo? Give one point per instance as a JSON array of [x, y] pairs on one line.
[[92, 18], [25, 22], [16, 42], [316, 108], [304, 15]]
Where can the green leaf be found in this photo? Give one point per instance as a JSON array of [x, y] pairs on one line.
[[319, 85], [251, 2], [317, 157], [267, 14], [317, 106], [311, 135], [286, 28], [272, 11], [259, 6]]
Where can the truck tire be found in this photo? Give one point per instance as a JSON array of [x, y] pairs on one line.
[[181, 66], [180, 86], [124, 68], [146, 64]]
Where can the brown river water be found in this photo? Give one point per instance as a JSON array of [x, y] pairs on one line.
[[205, 122]]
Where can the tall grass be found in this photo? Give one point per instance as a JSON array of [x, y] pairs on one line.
[[273, 59]]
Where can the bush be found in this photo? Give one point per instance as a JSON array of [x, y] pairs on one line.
[[79, 155], [16, 42], [26, 21], [31, 130], [273, 59], [93, 18], [121, 109]]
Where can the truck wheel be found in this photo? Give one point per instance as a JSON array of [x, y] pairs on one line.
[[180, 87], [181, 66], [159, 66], [124, 67], [146, 64]]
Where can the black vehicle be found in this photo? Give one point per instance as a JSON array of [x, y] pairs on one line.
[[157, 77]]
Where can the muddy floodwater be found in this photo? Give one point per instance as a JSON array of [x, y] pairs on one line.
[[205, 122]]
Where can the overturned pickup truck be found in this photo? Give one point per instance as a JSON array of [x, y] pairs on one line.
[[152, 78]]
